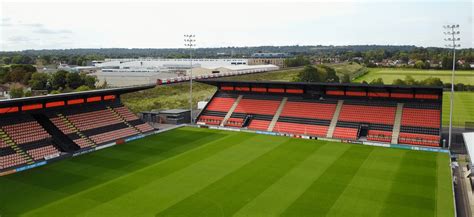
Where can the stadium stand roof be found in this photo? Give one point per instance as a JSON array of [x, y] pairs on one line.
[[40, 102], [327, 86], [469, 141]]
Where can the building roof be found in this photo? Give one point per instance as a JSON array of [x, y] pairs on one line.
[[469, 142], [313, 85], [270, 55], [174, 111], [74, 95], [242, 67]]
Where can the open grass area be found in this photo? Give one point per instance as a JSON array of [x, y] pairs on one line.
[[390, 74], [463, 108], [201, 172], [177, 95]]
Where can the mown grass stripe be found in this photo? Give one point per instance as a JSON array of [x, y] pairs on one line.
[[164, 192], [444, 190], [365, 194], [65, 178], [111, 189], [274, 200], [229, 194], [318, 199], [413, 193]]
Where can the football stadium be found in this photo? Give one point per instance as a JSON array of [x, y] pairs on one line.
[[257, 149]]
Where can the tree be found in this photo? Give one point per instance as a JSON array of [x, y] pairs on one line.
[[331, 76], [16, 92], [20, 73], [419, 64], [297, 61], [83, 88], [409, 80], [73, 80], [89, 80], [38, 81], [431, 81], [346, 78], [58, 80], [378, 81], [309, 74], [4, 71], [28, 93], [399, 81], [22, 59]]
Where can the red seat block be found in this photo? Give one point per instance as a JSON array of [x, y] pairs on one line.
[[368, 114], [345, 133], [321, 111], [259, 125], [421, 117], [255, 106], [220, 104], [301, 129]]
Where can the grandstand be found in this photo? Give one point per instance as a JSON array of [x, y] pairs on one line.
[[36, 130], [349, 112]]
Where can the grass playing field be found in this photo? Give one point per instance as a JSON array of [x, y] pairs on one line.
[[463, 108], [390, 74], [199, 172]]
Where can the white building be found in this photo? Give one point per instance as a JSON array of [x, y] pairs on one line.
[[129, 78], [127, 72], [163, 63]]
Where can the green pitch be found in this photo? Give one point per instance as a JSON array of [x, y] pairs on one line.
[[390, 74], [463, 108], [199, 172]]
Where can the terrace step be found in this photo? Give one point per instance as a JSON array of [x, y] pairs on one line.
[[76, 130], [277, 114], [335, 117], [231, 110], [117, 114], [397, 123], [9, 141], [60, 140]]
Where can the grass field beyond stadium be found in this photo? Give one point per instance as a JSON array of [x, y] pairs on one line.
[[390, 74], [201, 172]]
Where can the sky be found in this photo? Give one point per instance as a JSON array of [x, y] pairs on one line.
[[121, 24]]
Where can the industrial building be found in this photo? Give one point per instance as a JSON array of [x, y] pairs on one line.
[[128, 72]]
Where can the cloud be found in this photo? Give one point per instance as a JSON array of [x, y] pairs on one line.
[[34, 25], [19, 39], [51, 31], [5, 22], [38, 28]]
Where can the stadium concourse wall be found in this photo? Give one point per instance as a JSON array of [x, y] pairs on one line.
[[24, 106], [398, 146]]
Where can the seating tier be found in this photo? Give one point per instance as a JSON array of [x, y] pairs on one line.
[[368, 114], [255, 106], [421, 117], [302, 129], [379, 135], [419, 139], [323, 111], [221, 104], [345, 133], [259, 125]]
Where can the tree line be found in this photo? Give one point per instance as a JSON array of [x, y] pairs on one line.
[[57, 82], [369, 54]]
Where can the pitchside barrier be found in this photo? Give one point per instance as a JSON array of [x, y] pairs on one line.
[[132, 138], [399, 146]]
